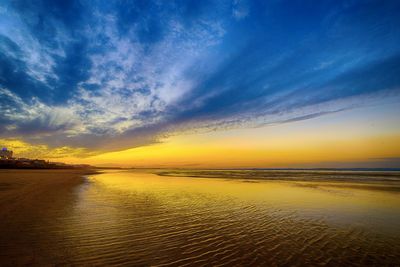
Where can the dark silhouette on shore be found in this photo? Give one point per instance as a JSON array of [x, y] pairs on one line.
[[7, 161]]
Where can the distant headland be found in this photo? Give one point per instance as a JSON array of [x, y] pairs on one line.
[[7, 161]]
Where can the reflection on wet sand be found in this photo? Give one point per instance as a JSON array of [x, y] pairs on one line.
[[32, 205], [143, 219], [137, 218]]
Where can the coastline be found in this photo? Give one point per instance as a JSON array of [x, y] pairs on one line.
[[370, 180], [32, 199], [23, 187], [56, 217], [287, 175]]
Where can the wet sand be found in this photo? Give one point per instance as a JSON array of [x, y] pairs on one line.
[[373, 180], [139, 218], [30, 200]]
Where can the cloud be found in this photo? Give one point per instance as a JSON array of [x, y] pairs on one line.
[[240, 9], [113, 75]]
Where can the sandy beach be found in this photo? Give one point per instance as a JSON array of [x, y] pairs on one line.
[[30, 200], [187, 218]]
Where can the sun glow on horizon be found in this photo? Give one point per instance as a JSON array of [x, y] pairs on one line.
[[334, 140]]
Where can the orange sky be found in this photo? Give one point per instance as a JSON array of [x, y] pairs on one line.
[[344, 137]]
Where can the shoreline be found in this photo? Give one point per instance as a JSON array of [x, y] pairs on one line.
[[31, 200], [288, 175], [22, 188], [382, 181], [55, 217]]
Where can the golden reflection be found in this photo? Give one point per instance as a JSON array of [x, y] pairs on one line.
[[139, 218], [321, 197]]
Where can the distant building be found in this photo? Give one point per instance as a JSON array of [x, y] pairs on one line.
[[5, 154]]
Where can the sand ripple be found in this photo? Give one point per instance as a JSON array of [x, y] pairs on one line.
[[160, 225]]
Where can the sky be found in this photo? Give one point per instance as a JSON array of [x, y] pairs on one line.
[[202, 83]]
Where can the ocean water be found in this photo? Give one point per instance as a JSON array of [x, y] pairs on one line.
[[181, 218]]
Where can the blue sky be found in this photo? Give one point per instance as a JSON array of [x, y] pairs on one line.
[[120, 74]]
